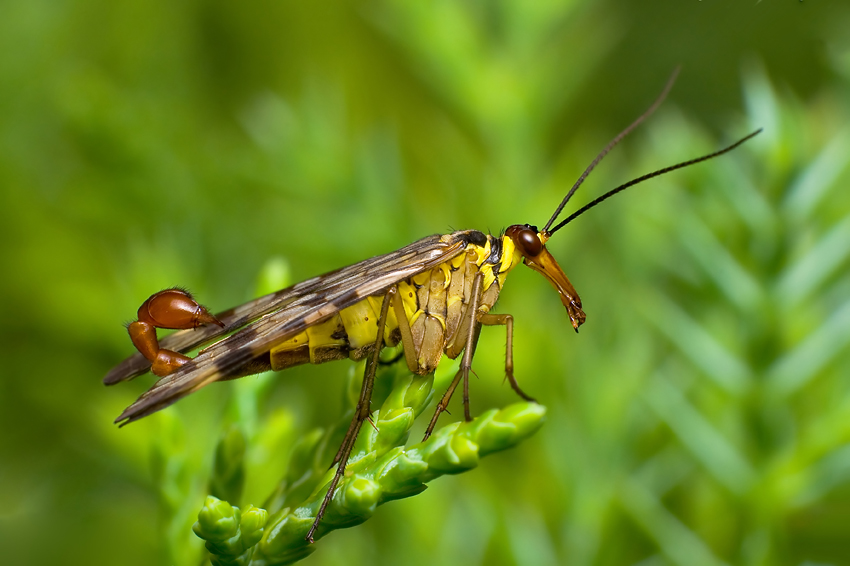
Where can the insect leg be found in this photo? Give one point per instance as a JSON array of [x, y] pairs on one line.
[[471, 329], [508, 322], [444, 402], [361, 412]]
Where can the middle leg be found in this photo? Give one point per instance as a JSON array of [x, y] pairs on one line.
[[471, 327]]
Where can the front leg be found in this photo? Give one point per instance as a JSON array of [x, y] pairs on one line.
[[508, 322]]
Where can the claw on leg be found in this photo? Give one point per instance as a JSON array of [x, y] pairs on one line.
[[515, 386]]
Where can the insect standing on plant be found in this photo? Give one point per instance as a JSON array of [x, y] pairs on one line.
[[431, 296]]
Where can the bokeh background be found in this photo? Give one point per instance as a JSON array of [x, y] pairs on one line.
[[701, 417]]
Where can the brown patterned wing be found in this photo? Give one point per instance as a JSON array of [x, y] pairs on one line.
[[279, 316]]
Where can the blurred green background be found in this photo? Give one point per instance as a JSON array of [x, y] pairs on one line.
[[701, 417]]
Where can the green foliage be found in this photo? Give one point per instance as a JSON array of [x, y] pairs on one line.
[[380, 470], [752, 390], [701, 415], [229, 533], [229, 466]]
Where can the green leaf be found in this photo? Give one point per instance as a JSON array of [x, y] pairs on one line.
[[380, 470]]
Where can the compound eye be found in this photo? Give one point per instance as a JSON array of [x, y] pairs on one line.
[[528, 242]]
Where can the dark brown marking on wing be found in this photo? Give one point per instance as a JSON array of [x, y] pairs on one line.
[[237, 317], [315, 300]]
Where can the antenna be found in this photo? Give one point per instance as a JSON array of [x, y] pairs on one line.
[[611, 144], [646, 177]]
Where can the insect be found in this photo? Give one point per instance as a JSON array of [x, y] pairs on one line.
[[432, 297]]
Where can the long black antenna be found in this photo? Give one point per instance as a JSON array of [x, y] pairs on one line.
[[643, 178], [611, 144]]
